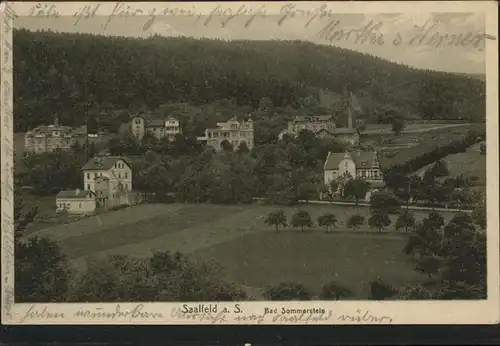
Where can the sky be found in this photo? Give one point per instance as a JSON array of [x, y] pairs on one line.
[[315, 22]]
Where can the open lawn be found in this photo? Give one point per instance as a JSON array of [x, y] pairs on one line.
[[315, 259], [252, 253]]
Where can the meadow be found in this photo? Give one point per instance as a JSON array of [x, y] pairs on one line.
[[398, 149], [250, 252]]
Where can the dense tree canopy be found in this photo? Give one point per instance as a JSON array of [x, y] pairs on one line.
[[80, 75]]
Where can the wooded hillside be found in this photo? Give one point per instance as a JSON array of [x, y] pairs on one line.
[[52, 70]]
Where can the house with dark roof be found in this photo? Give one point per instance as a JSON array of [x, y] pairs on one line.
[[356, 164], [140, 124], [76, 201], [116, 169], [326, 126], [311, 123]]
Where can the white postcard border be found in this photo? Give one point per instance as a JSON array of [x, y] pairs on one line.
[[337, 312]]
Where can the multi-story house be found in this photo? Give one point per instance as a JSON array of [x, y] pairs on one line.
[[116, 169], [160, 128], [356, 164], [47, 138], [107, 183], [349, 165], [342, 126], [233, 131], [312, 123]]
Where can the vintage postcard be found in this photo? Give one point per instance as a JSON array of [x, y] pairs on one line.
[[249, 163]]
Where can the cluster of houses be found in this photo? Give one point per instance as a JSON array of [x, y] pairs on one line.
[[107, 180], [233, 131]]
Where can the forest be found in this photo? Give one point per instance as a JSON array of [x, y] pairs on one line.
[[76, 76]]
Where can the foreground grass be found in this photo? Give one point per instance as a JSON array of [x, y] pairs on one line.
[[251, 252], [314, 258]]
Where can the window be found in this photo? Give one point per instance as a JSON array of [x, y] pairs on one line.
[[126, 186], [126, 175], [346, 164], [80, 205], [88, 175], [88, 186], [138, 121], [95, 175]]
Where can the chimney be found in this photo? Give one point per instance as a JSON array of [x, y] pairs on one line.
[[349, 110], [77, 192]]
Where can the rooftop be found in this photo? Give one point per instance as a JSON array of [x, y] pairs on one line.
[[362, 159], [312, 118], [103, 162]]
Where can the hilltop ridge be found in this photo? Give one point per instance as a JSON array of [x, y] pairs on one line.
[[72, 72]]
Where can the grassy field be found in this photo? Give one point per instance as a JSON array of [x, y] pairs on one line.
[[414, 143], [252, 253], [470, 163]]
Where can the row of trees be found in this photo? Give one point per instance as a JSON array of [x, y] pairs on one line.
[[430, 153], [456, 252]]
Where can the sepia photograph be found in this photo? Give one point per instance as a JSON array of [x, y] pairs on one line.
[[237, 153]]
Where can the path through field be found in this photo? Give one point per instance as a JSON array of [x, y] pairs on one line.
[[414, 128]]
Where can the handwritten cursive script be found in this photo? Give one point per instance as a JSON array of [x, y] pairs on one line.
[[8, 16], [222, 15], [426, 34], [217, 318], [364, 316], [36, 312], [138, 312]]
